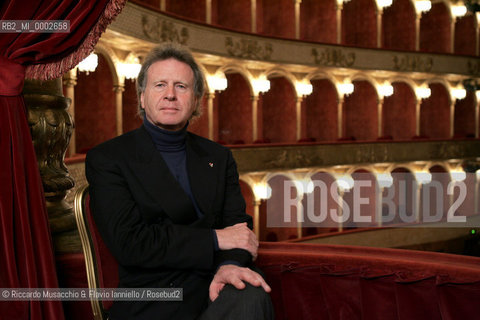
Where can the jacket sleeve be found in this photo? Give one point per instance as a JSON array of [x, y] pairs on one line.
[[133, 241], [234, 211]]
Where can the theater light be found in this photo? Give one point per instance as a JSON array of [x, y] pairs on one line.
[[422, 6], [304, 186], [262, 191], [423, 177], [458, 175], [384, 3], [345, 88], [423, 92], [304, 88], [385, 180], [129, 70], [217, 82], [260, 85], [89, 64], [385, 90], [458, 10], [458, 94], [345, 182]]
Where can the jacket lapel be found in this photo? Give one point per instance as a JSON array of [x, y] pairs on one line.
[[160, 183], [203, 175]]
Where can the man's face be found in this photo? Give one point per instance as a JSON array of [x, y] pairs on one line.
[[169, 99]]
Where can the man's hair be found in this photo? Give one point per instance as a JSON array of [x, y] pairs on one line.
[[180, 53]]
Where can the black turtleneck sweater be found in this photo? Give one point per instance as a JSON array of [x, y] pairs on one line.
[[171, 145]]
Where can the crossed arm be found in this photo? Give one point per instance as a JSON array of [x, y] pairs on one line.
[[241, 237]]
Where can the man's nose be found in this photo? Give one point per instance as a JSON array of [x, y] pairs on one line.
[[170, 93]]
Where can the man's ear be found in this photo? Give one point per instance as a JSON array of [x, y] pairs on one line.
[[141, 100]]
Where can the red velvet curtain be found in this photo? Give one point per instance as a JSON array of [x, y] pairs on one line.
[[26, 254], [318, 281]]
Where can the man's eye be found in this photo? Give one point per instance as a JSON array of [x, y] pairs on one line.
[[159, 85], [181, 86]]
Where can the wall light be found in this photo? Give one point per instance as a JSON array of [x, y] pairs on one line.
[[129, 70], [304, 88], [260, 85], [423, 177], [262, 191], [458, 94], [345, 182], [345, 88], [385, 180], [384, 3], [385, 90], [458, 175], [216, 82], [458, 10], [422, 6], [477, 94], [304, 185], [423, 92], [89, 64]]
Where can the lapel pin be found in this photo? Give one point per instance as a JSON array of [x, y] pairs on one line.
[[210, 164]]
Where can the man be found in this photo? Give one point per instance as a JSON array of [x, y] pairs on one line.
[[168, 205]]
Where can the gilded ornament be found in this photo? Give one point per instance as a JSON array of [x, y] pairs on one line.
[[334, 58], [412, 63], [248, 49], [474, 67], [163, 31]]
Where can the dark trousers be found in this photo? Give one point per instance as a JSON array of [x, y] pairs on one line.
[[250, 303]]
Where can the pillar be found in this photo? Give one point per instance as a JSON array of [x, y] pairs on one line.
[[299, 118], [380, 117], [255, 118], [417, 117], [253, 12], [340, 118], [477, 107], [339, 22], [452, 118], [210, 97], [297, 18], [417, 31], [256, 217], [208, 11], [119, 88], [379, 27]]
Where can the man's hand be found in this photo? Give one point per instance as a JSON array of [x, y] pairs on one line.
[[235, 275], [238, 236]]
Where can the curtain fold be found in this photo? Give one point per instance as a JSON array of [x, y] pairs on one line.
[[26, 252]]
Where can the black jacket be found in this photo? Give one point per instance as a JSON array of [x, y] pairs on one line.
[[150, 225]]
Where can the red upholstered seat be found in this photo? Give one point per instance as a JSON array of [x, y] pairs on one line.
[[101, 266]]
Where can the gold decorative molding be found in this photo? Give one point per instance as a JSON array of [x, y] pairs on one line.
[[473, 67], [248, 49], [162, 30], [333, 58], [265, 158], [412, 63], [143, 27], [51, 127]]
